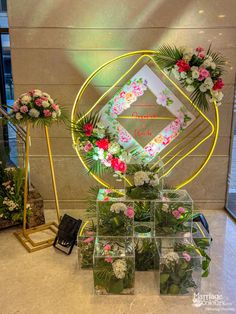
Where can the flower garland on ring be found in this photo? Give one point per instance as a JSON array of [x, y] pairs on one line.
[[99, 147], [36, 107], [198, 71]]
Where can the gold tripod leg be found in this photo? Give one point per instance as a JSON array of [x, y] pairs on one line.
[[53, 174], [26, 177]]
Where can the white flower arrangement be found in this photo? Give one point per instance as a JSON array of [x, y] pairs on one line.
[[119, 267]]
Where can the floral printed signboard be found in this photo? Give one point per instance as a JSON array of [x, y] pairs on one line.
[[176, 120]]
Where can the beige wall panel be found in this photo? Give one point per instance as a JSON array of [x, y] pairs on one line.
[[117, 39], [56, 66], [120, 13]]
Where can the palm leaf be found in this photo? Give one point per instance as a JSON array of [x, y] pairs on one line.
[[167, 56]]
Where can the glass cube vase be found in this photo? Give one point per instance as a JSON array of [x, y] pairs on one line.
[[114, 265], [179, 271], [173, 213], [115, 216]]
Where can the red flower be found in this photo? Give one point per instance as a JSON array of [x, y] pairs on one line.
[[103, 143], [118, 165], [218, 84], [199, 49], [88, 128], [183, 66]]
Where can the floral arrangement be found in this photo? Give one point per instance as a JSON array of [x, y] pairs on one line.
[[99, 147], [115, 219], [146, 183], [36, 107], [113, 268], [12, 194], [198, 71]]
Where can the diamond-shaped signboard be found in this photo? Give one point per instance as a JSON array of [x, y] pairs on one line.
[[146, 115]]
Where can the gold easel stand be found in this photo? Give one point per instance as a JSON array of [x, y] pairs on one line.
[[24, 235]]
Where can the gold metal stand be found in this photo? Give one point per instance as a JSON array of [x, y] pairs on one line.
[[24, 235]]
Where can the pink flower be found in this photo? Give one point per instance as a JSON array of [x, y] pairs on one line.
[[129, 212], [176, 214], [186, 256], [183, 66], [88, 147], [16, 106], [109, 260], [24, 109], [55, 107], [201, 55], [44, 98], [47, 113], [107, 247], [181, 210], [162, 99], [166, 140], [38, 102], [88, 240], [199, 49], [137, 91], [218, 84], [124, 136], [203, 73], [117, 110], [122, 94], [118, 165], [103, 143]]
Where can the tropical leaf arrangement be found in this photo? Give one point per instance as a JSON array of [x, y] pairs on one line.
[[38, 108], [100, 149], [198, 71]]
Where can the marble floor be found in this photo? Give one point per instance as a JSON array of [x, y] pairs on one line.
[[48, 282]]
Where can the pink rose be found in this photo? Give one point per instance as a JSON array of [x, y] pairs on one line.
[[181, 210], [201, 55], [88, 240], [109, 260], [203, 73], [176, 214], [88, 147], [107, 247], [186, 256], [199, 49], [129, 212], [47, 113], [38, 102], [55, 107], [24, 109]]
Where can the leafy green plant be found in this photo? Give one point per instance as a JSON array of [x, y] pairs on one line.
[[145, 250]]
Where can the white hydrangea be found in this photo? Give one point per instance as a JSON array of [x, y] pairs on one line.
[[18, 116], [34, 113], [190, 88], [141, 177], [119, 267], [118, 207], [26, 99], [170, 258]]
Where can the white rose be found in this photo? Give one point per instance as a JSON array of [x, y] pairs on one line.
[[189, 80], [34, 113], [18, 116], [26, 99], [209, 83], [195, 74], [203, 88], [213, 65], [190, 88], [37, 93], [54, 115], [217, 95], [45, 104]]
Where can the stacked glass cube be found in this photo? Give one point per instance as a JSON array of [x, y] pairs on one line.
[[144, 235]]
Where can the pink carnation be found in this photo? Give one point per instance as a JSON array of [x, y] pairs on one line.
[[181, 210], [38, 102], [47, 113], [109, 259], [88, 147], [129, 212], [107, 247], [55, 107], [186, 256], [24, 109], [201, 55], [176, 214], [88, 240], [16, 107], [182, 65], [203, 74]]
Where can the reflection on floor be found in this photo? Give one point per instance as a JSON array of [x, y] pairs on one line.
[[48, 281]]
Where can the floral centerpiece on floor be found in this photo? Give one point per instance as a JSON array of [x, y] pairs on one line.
[[197, 70], [99, 147], [12, 193], [114, 267], [36, 107], [115, 219], [145, 183]]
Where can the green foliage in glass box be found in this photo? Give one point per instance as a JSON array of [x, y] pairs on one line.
[[145, 250], [143, 211], [115, 219]]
